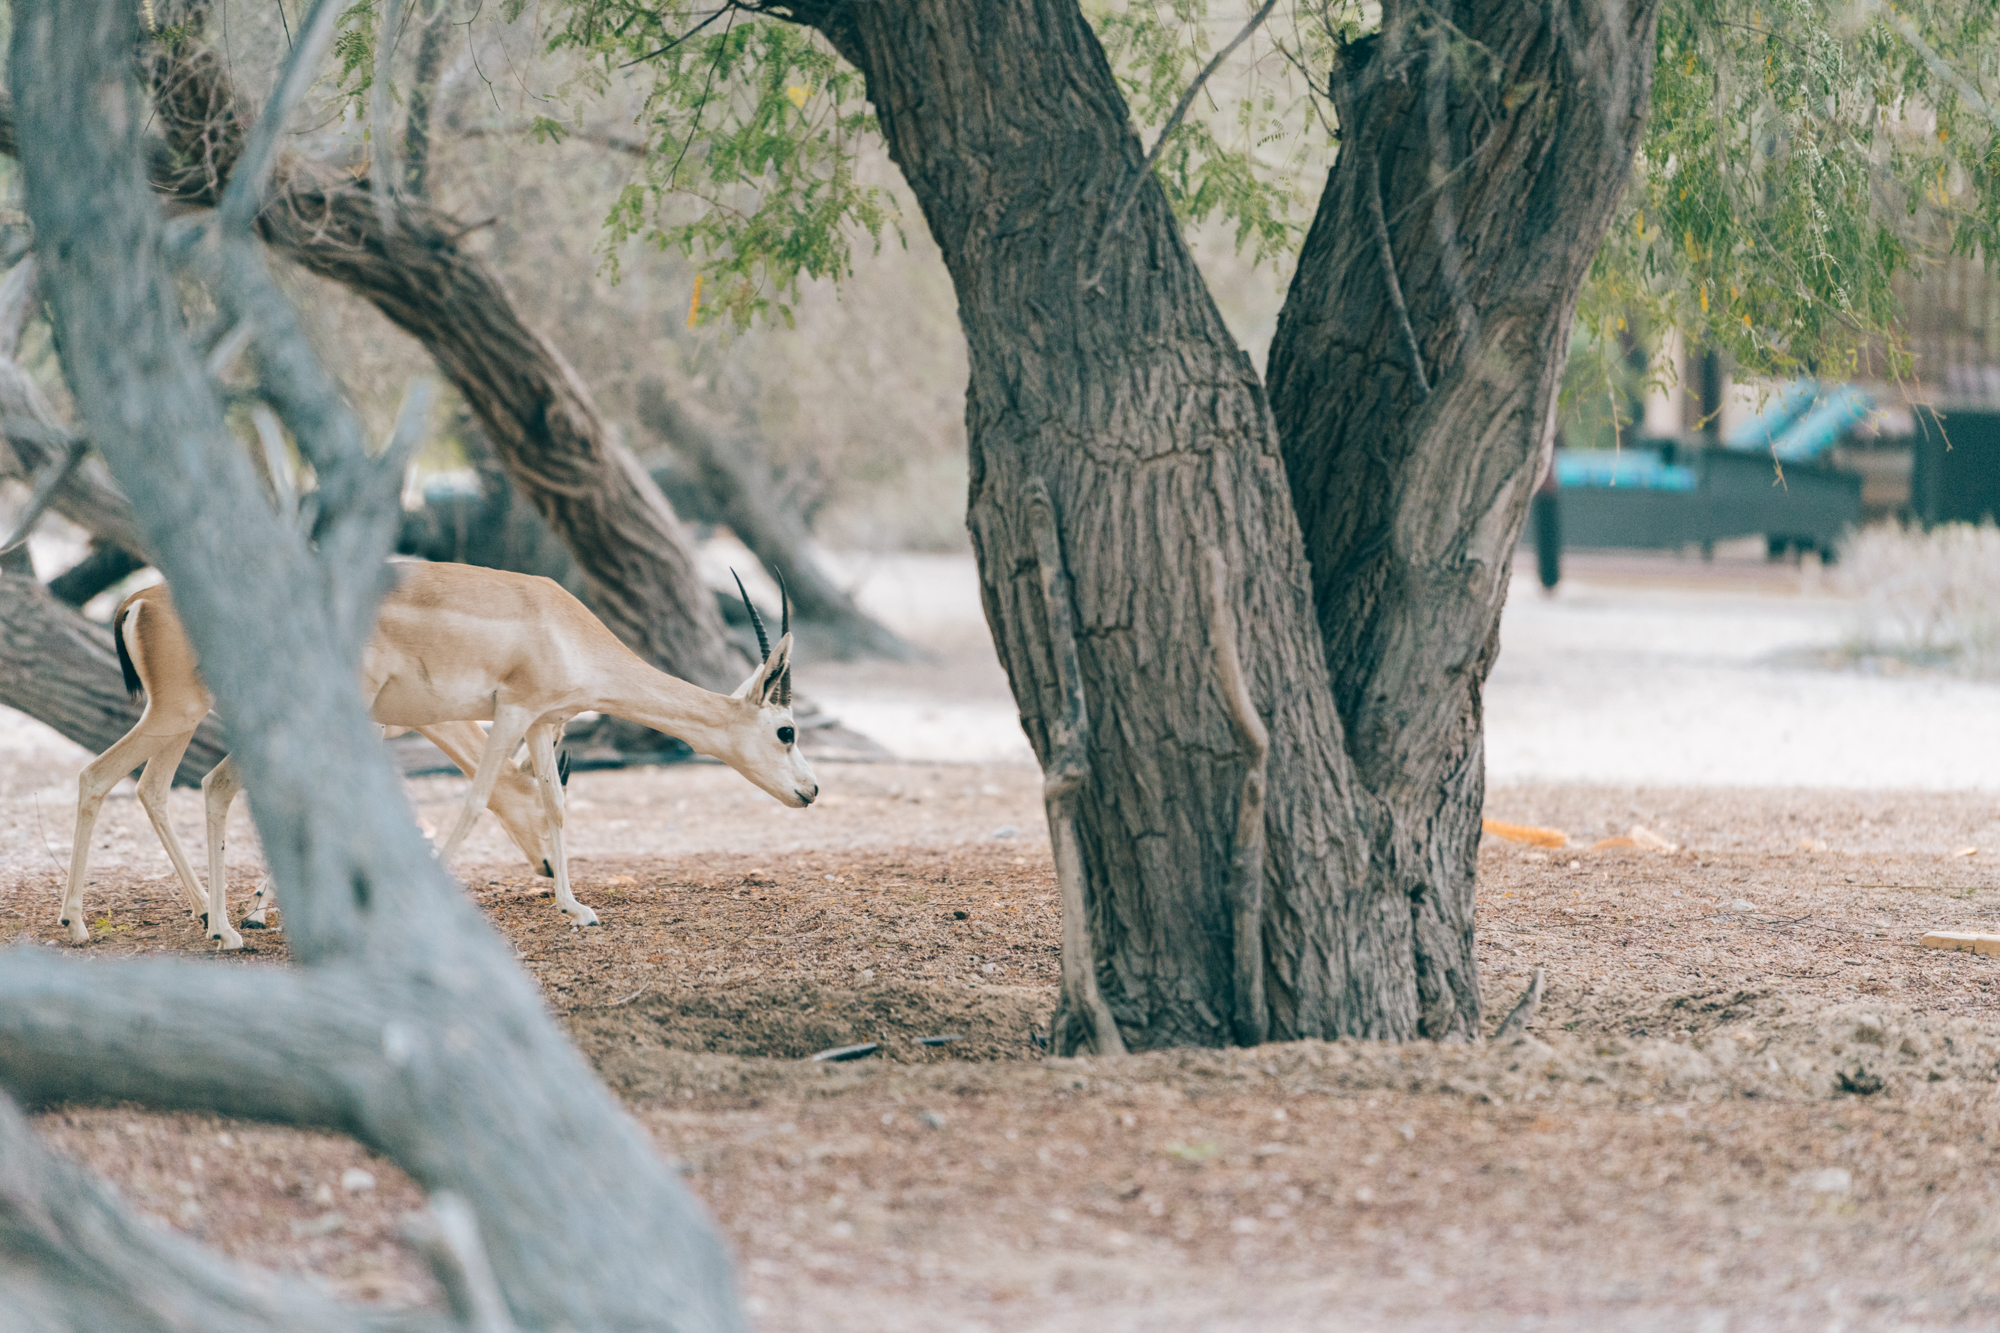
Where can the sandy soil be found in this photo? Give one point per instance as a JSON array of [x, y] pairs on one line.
[[1750, 1100]]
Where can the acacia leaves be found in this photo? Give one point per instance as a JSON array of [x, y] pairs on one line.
[[1253, 148], [1800, 155], [751, 129]]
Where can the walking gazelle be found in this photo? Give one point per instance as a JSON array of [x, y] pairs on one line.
[[454, 645]]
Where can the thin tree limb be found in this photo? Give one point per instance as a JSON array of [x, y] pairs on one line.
[[1938, 66], [1068, 771], [383, 175], [52, 478], [1246, 889], [1116, 224], [1516, 1023], [243, 198], [1387, 255]]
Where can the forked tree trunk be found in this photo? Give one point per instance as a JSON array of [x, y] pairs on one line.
[[1101, 371], [1497, 140]]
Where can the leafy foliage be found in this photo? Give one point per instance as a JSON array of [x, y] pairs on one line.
[[752, 126], [1800, 155], [1254, 149]]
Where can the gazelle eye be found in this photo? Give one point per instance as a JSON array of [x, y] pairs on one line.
[[785, 735]]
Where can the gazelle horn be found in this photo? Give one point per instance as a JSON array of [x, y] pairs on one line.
[[756, 621], [785, 627]]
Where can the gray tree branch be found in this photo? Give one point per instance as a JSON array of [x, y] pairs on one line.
[[471, 1088], [73, 1257]]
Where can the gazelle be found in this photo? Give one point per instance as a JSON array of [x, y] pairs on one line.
[[461, 644], [157, 658]]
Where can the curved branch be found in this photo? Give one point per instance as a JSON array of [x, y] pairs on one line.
[[73, 1257]]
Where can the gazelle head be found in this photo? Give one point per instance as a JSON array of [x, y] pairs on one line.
[[762, 742]]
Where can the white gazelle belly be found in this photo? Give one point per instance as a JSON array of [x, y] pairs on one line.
[[408, 691]]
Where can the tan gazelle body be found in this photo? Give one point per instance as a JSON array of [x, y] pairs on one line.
[[158, 658], [455, 645]]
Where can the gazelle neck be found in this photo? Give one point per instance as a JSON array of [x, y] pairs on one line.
[[644, 694]]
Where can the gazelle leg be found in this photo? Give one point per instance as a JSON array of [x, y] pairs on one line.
[[218, 791], [509, 726], [99, 776], [516, 802], [266, 895], [154, 784], [542, 754]]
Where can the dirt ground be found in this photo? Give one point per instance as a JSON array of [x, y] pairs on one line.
[[1750, 1101]]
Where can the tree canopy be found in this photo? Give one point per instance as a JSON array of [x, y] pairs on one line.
[[1799, 155]]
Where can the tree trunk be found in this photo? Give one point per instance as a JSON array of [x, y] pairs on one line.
[[774, 536], [1101, 372], [406, 1023], [62, 670], [1102, 375], [1411, 486]]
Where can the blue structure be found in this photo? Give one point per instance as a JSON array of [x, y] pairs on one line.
[[1801, 420]]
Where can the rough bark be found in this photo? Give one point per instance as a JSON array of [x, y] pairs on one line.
[[1492, 142], [406, 1023], [62, 670], [1131, 404], [775, 536], [1417, 365]]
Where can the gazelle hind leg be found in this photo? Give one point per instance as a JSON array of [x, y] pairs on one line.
[[542, 752], [262, 900], [218, 792], [99, 776], [154, 784], [510, 725]]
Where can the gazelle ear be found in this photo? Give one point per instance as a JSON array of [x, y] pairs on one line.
[[769, 677], [777, 685]]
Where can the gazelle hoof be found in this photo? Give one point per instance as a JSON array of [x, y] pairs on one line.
[[78, 932], [230, 941], [252, 923]]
